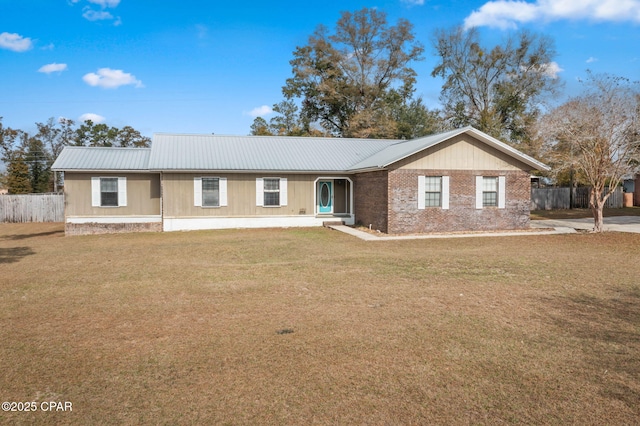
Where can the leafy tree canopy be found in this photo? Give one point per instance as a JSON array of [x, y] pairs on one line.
[[345, 79], [29, 157]]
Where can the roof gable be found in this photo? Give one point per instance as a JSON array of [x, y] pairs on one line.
[[401, 150]]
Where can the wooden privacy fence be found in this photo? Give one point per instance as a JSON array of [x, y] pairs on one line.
[[559, 198], [32, 208]]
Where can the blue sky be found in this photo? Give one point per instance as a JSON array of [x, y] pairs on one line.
[[211, 66]]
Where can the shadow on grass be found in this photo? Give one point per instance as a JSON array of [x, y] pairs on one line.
[[14, 254], [608, 329], [17, 237]]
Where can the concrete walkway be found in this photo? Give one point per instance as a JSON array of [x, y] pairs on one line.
[[545, 227], [617, 224], [372, 237]]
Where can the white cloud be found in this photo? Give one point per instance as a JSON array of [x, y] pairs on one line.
[[551, 70], [95, 118], [591, 59], [105, 3], [509, 13], [260, 111], [96, 15], [111, 79], [49, 68], [413, 2], [15, 42], [91, 14]]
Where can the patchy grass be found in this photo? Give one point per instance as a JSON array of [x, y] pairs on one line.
[[310, 326], [582, 213]]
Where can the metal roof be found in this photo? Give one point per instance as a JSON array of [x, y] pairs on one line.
[[102, 158], [264, 153], [184, 152]]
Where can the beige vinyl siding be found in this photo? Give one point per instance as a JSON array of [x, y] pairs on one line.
[[143, 195], [461, 153], [241, 195]]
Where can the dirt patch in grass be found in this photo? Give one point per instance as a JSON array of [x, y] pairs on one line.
[[302, 326]]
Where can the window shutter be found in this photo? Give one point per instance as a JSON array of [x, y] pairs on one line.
[[122, 192], [478, 192], [197, 191], [283, 191], [421, 195], [95, 192], [502, 191], [223, 192], [445, 192], [259, 192]]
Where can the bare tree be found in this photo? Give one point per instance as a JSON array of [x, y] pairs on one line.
[[495, 89], [597, 133]]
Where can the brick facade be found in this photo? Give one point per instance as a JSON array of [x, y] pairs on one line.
[[370, 199], [398, 189]]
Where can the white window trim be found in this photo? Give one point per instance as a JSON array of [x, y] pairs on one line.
[[444, 193], [197, 192], [96, 198], [502, 191], [260, 192]]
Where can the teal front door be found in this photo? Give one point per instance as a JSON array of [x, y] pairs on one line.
[[325, 196]]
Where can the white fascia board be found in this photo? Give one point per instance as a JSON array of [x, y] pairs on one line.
[[503, 147]]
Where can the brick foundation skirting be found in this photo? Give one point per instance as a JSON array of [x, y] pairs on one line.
[[110, 228]]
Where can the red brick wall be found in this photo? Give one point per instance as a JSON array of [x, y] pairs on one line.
[[370, 199], [404, 216]]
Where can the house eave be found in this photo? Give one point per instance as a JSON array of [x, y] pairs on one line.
[[104, 170], [254, 171]]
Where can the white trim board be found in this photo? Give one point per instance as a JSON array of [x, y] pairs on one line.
[[196, 223], [113, 219]]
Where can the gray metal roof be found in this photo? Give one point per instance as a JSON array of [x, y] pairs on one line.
[[264, 153], [102, 158], [180, 152]]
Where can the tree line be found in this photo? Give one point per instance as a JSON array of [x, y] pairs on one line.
[[28, 156]]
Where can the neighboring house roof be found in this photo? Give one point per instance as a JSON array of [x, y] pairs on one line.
[[180, 152], [102, 159], [259, 153]]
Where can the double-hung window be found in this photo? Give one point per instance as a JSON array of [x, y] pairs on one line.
[[490, 191], [108, 191], [433, 191], [209, 191], [271, 192]]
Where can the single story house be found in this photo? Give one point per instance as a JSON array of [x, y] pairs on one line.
[[461, 180]]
